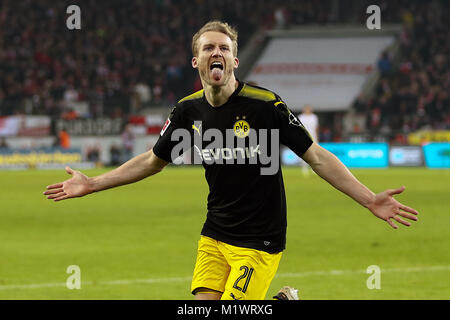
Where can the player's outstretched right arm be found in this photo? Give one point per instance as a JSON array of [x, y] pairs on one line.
[[79, 185]]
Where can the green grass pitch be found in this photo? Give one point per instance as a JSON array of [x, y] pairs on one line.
[[139, 241]]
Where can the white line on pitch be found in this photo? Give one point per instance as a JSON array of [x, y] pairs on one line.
[[346, 272], [186, 279]]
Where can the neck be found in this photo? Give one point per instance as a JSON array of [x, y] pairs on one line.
[[219, 95]]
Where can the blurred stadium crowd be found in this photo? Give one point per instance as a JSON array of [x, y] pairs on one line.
[[129, 53], [413, 92], [132, 54]]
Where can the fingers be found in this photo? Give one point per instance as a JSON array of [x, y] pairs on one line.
[[400, 220], [408, 209], [69, 170], [391, 192], [53, 186], [62, 197], [397, 218], [393, 225], [57, 195], [57, 188], [53, 191], [408, 216], [56, 191]]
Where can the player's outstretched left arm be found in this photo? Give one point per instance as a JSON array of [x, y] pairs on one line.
[[382, 205]]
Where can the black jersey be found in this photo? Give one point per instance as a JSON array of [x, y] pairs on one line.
[[235, 143]]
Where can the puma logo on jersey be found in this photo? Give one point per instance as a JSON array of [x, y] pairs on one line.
[[197, 128]]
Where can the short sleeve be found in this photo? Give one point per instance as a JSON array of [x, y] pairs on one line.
[[292, 132], [163, 147]]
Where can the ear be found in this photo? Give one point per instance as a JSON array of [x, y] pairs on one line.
[[194, 62], [236, 62]]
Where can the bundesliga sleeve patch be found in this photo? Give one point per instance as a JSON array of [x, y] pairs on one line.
[[293, 120], [168, 121], [164, 128]]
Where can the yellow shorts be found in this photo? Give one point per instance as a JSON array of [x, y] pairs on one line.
[[239, 273]]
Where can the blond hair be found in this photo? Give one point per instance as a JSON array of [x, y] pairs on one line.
[[217, 26]]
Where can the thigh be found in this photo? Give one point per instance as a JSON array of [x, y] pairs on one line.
[[211, 268], [251, 272]]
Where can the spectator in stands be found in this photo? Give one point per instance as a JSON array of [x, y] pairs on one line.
[[325, 135], [128, 139], [70, 114], [360, 104], [311, 122], [3, 143], [64, 139], [142, 96], [115, 155], [280, 15], [384, 64], [93, 154]]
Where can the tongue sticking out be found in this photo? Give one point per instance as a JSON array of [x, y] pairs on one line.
[[217, 74]]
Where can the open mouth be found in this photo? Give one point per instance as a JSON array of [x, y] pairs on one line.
[[216, 69], [216, 64]]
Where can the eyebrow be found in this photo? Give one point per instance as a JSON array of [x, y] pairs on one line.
[[213, 44]]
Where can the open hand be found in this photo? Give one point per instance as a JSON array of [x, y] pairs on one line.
[[386, 208], [77, 186]]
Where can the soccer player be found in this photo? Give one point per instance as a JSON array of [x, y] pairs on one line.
[[244, 235], [311, 123]]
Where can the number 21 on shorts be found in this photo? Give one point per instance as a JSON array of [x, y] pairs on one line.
[[247, 275]]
